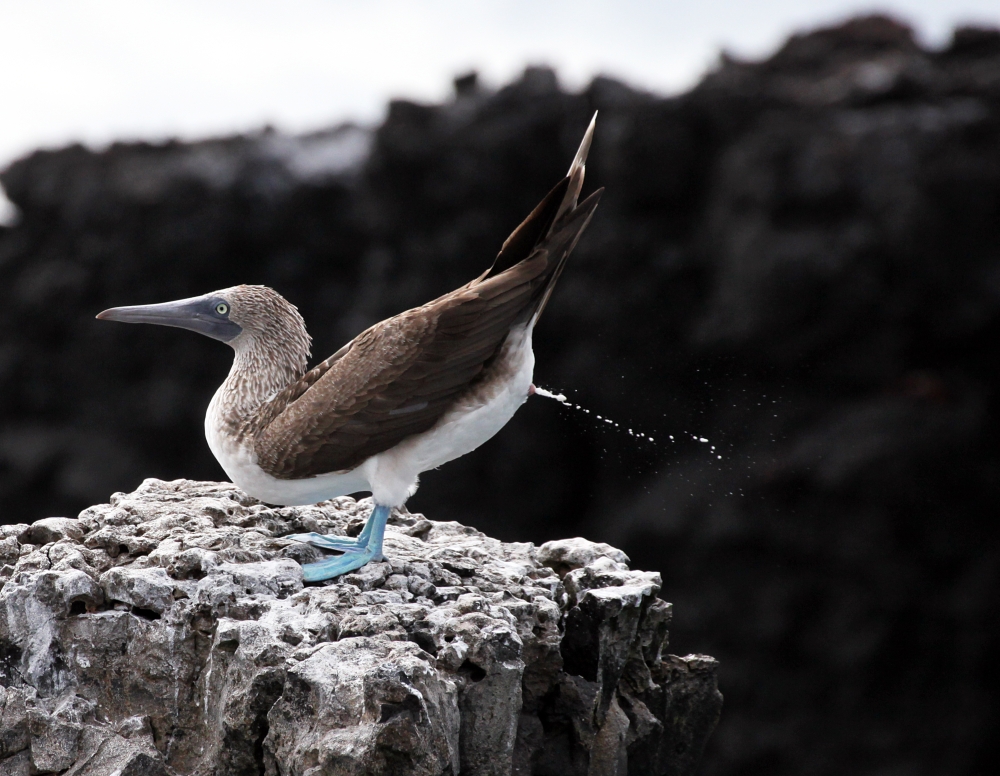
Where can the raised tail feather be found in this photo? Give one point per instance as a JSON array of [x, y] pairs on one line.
[[551, 230], [575, 222], [577, 170], [559, 204]]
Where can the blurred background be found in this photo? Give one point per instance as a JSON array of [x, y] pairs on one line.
[[792, 284]]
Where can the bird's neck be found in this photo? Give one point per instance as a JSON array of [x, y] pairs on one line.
[[262, 368]]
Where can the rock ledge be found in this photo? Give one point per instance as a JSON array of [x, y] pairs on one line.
[[169, 632]]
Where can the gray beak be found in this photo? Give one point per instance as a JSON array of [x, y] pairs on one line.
[[199, 313]]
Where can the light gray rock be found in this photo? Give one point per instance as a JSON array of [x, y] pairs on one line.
[[149, 589], [170, 632], [563, 555], [51, 529]]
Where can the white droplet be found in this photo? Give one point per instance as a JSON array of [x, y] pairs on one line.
[[549, 395]]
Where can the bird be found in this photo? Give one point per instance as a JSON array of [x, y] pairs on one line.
[[405, 396]]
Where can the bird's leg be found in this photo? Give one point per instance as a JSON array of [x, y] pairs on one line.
[[354, 558], [341, 543]]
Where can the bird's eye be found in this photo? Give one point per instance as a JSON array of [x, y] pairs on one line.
[[222, 308]]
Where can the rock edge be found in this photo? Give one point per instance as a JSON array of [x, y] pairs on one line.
[[169, 632]]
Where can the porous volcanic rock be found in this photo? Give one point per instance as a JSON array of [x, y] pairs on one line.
[[170, 632]]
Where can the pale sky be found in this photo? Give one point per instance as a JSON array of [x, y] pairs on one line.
[[99, 70]]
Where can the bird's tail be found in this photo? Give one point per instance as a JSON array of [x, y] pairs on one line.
[[577, 170], [551, 231]]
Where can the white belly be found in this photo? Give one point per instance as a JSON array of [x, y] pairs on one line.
[[391, 476], [475, 418], [240, 464]]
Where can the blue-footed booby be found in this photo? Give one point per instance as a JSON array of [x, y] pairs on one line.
[[407, 395]]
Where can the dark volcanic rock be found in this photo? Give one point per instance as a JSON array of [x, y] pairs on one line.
[[799, 261], [170, 629]]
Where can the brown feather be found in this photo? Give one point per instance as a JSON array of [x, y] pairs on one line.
[[398, 378]]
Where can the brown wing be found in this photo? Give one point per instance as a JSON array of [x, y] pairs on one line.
[[400, 376]]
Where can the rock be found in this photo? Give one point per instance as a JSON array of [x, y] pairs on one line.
[[51, 529], [171, 632], [565, 555], [368, 705], [147, 589]]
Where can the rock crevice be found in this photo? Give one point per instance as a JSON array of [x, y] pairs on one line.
[[170, 632]]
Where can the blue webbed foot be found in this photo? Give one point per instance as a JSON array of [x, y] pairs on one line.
[[342, 543], [356, 554], [334, 567]]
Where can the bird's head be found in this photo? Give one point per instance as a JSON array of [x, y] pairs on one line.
[[241, 316]]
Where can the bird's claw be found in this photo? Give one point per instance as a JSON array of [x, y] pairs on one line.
[[342, 543]]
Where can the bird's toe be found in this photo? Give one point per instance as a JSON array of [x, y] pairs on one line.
[[342, 543], [334, 567]]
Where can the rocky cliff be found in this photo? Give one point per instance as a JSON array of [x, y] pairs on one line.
[[797, 260], [169, 632]]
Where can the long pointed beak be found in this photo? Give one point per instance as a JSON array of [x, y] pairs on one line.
[[198, 314]]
